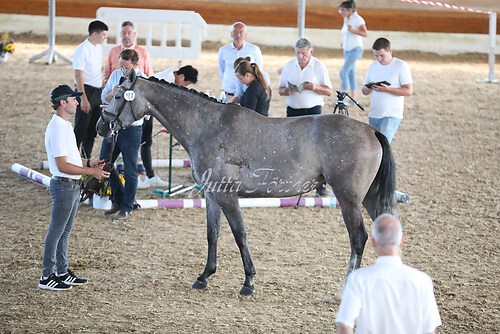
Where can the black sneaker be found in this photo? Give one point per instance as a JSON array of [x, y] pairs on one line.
[[53, 282], [122, 215], [71, 279], [114, 209]]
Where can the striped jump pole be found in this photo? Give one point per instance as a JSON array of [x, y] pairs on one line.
[[267, 202], [156, 163], [31, 174]]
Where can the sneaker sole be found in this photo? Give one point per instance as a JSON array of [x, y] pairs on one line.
[[74, 284], [47, 287]]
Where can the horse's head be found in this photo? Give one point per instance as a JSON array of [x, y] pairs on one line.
[[124, 109]]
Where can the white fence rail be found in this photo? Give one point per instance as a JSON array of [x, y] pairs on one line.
[[174, 34]]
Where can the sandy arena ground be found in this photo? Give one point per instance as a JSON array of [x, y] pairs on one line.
[[141, 270]]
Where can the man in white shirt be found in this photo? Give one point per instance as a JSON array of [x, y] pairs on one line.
[[230, 52], [310, 78], [66, 167], [305, 82], [87, 64], [387, 100], [389, 296]]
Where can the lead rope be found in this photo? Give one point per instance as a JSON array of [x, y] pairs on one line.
[[298, 202]]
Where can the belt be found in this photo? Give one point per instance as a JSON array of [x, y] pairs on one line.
[[67, 179], [232, 94]]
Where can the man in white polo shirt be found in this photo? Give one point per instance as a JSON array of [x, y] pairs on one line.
[[389, 296], [305, 82], [310, 80]]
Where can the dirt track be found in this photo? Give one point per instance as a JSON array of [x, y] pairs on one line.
[[141, 270]]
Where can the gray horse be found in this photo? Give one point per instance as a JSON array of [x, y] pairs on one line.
[[237, 152]]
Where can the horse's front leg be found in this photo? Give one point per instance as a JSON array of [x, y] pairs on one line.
[[213, 232], [232, 211]]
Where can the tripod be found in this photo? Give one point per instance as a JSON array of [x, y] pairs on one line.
[[341, 107]]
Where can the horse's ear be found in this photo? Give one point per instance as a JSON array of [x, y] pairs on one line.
[[132, 76], [124, 71]]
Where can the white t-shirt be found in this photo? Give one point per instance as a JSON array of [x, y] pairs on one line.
[[167, 75], [314, 72], [60, 141], [397, 73], [88, 58], [351, 40], [389, 297]]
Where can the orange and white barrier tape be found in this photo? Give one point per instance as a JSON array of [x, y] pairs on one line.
[[446, 5]]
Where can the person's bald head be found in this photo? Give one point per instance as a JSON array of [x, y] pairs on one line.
[[387, 232]]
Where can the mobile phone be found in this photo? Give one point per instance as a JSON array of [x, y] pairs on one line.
[[379, 83]]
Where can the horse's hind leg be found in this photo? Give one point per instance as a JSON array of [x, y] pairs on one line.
[[213, 232], [357, 234], [371, 202], [353, 220], [232, 211]]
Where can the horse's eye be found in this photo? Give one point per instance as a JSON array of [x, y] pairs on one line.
[[117, 97]]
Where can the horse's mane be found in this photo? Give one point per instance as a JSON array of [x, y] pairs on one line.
[[190, 90]]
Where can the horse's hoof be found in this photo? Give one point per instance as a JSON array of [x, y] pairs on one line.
[[247, 290], [199, 285]]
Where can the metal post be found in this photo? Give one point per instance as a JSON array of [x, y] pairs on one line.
[[170, 151], [301, 19], [51, 53], [492, 45], [491, 57]]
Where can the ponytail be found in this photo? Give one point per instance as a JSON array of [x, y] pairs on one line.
[[245, 67]]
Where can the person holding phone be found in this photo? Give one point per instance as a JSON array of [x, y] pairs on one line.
[[387, 81]]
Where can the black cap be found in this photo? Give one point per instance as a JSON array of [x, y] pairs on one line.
[[62, 92]]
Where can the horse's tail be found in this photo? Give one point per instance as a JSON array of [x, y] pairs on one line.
[[385, 179]]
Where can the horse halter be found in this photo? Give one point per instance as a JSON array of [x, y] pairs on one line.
[[129, 96]]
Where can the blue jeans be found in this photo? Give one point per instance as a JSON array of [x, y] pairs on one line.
[[65, 199], [127, 144], [387, 125], [348, 70]]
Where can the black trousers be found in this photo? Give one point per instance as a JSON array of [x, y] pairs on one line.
[[292, 112], [85, 123], [146, 143]]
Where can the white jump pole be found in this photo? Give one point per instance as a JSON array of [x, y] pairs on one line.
[[51, 52], [31, 174], [244, 202], [158, 163]]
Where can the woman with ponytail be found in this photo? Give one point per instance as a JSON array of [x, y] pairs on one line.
[[353, 30], [258, 94]]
